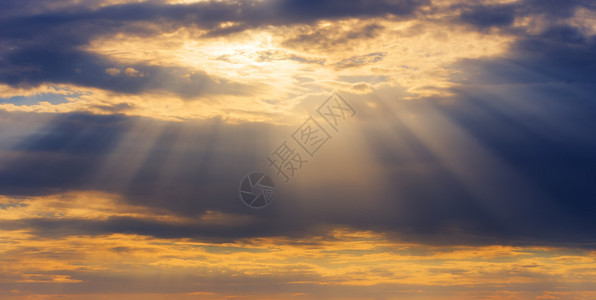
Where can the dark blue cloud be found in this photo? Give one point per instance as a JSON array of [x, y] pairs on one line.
[[487, 16], [555, 8], [560, 54], [69, 151], [59, 156], [76, 134], [503, 15], [313, 9], [534, 109]]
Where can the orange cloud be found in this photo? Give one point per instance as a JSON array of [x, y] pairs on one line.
[[344, 261]]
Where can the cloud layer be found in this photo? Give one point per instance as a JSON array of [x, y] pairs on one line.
[[467, 172]]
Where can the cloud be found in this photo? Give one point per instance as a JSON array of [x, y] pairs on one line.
[[356, 61], [312, 9], [189, 169], [500, 178], [45, 46], [280, 55], [487, 16], [127, 128], [348, 263], [494, 179], [505, 15], [35, 65], [113, 71], [133, 73]]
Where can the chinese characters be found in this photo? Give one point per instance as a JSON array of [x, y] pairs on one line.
[[310, 137]]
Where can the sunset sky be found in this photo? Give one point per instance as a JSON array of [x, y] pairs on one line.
[[462, 166]]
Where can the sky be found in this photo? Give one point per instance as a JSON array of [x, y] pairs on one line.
[[418, 149]]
